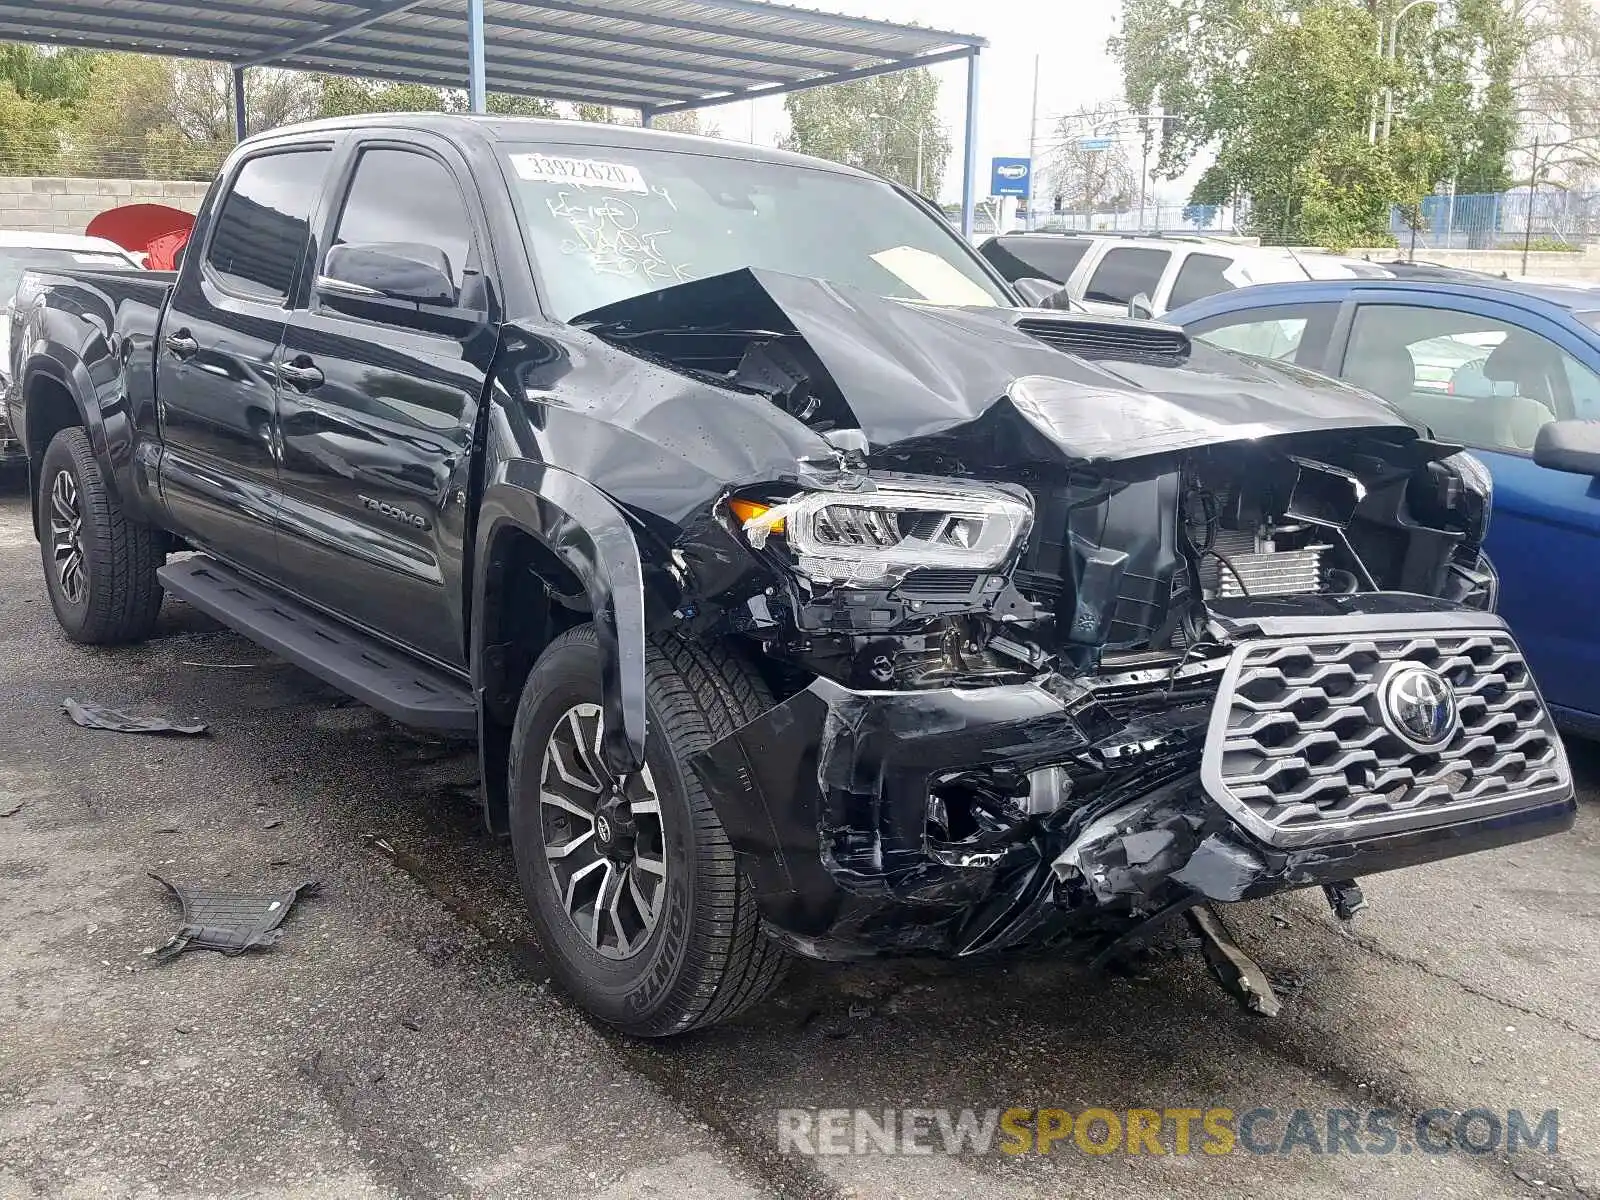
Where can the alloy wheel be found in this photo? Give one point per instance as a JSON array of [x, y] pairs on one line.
[[66, 538], [603, 839]]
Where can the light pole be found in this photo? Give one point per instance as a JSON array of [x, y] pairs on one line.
[[1389, 56], [916, 133]]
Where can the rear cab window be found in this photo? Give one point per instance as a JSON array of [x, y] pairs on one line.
[[1049, 257], [1199, 276], [1126, 272], [263, 222]]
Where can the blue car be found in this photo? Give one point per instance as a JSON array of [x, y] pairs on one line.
[[1510, 370]]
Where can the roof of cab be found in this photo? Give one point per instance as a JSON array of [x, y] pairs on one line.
[[562, 133]]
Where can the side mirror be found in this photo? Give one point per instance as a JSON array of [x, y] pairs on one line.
[[1141, 308], [1572, 446], [404, 271], [1035, 292]]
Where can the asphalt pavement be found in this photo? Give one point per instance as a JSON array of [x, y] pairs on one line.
[[403, 1038]]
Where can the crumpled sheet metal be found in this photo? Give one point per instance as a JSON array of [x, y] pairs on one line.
[[98, 716], [228, 921]]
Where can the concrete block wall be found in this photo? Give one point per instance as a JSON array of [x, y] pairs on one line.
[[43, 204], [1575, 266]]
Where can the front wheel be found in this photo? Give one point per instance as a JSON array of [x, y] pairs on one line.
[[99, 564], [632, 887]]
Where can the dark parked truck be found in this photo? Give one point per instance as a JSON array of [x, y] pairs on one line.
[[803, 592]]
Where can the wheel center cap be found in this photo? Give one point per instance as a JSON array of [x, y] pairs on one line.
[[614, 830]]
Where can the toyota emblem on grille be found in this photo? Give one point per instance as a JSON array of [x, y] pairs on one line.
[[1419, 707]]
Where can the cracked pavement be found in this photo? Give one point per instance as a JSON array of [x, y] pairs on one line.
[[403, 1039]]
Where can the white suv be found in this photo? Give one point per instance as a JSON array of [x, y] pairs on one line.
[[1105, 273]]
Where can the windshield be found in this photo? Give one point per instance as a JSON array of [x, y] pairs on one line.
[[1591, 319], [606, 224], [14, 260]]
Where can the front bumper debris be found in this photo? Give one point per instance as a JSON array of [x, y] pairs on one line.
[[826, 797]]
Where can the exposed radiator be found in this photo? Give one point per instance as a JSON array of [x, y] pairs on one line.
[[1270, 573]]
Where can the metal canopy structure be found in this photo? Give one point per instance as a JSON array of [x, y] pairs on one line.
[[657, 56]]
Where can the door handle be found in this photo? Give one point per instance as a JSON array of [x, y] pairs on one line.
[[180, 344], [302, 374]]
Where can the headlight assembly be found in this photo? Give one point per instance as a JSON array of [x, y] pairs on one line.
[[874, 537]]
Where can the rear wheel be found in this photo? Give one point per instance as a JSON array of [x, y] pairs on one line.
[[633, 887], [99, 565]]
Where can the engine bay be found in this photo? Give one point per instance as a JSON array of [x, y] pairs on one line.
[[1130, 561]]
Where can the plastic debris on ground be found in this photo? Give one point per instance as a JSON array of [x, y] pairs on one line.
[[97, 716], [228, 921]]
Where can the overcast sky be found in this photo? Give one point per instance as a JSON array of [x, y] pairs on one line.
[[1069, 36]]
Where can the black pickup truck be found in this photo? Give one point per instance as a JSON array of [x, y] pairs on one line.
[[804, 591]]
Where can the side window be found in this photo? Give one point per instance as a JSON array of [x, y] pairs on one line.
[[1125, 272], [1585, 387], [407, 197], [1199, 276], [1479, 380], [1280, 333], [1048, 257], [264, 222]]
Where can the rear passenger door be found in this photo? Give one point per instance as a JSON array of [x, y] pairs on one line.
[[215, 381], [378, 401], [1123, 273]]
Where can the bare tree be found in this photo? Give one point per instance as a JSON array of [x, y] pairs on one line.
[[1557, 89], [1088, 180]]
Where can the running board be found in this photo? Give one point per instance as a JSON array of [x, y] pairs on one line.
[[391, 681]]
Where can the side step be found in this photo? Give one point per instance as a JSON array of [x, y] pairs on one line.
[[390, 681]]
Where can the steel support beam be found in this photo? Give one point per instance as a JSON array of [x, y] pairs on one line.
[[451, 70], [477, 78], [760, 8], [408, 47], [330, 32], [719, 29], [646, 115], [549, 29], [753, 93], [969, 150], [352, 67], [238, 104]]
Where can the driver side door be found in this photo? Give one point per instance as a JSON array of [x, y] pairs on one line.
[[377, 402]]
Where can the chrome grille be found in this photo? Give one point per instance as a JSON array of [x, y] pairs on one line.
[[1297, 751]]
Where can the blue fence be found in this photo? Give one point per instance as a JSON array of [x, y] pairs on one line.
[[1502, 219]]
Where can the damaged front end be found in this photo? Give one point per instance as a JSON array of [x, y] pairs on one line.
[[1077, 626]]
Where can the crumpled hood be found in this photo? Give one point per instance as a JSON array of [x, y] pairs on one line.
[[914, 372]]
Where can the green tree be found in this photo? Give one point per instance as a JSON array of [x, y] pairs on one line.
[[157, 118], [505, 105], [342, 96], [874, 124], [30, 133], [37, 74], [39, 90], [1285, 93]]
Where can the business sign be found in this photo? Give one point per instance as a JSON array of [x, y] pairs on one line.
[[1010, 177], [1094, 143]]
